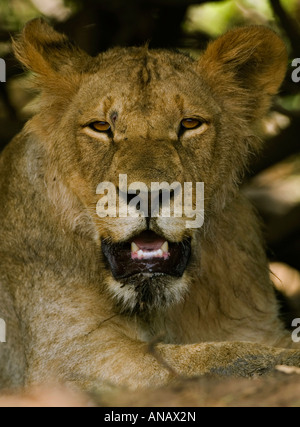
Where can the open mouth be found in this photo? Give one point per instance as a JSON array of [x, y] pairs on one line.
[[147, 253]]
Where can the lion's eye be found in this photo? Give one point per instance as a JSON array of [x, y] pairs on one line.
[[191, 123], [100, 126]]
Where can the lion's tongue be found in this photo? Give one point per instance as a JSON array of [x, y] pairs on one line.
[[149, 241], [149, 245]]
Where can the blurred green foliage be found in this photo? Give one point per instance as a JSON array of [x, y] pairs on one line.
[[215, 18], [212, 18], [14, 13]]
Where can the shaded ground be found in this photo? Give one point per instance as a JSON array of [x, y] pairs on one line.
[[278, 389]]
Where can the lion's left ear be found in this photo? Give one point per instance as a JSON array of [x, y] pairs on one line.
[[245, 67]]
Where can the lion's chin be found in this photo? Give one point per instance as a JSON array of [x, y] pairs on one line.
[[144, 294], [146, 272], [147, 255]]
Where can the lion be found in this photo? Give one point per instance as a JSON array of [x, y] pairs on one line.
[[136, 300]]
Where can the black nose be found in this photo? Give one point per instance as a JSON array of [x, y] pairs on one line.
[[149, 203], [143, 201], [160, 199]]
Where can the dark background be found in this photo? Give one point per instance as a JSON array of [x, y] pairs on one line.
[[273, 181]]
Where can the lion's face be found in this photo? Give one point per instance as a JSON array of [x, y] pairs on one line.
[[154, 117], [132, 118]]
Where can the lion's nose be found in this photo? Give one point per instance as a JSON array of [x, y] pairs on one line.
[[139, 200], [151, 202]]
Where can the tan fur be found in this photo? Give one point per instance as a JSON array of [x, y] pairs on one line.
[[67, 318]]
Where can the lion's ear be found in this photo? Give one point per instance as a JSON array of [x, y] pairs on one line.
[[47, 53], [246, 66]]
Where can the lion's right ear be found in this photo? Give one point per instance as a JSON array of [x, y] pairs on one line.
[[245, 67], [47, 53]]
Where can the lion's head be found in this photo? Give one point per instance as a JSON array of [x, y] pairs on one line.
[[152, 116]]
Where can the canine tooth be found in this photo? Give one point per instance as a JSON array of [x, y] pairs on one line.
[[134, 247], [165, 247], [140, 254]]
